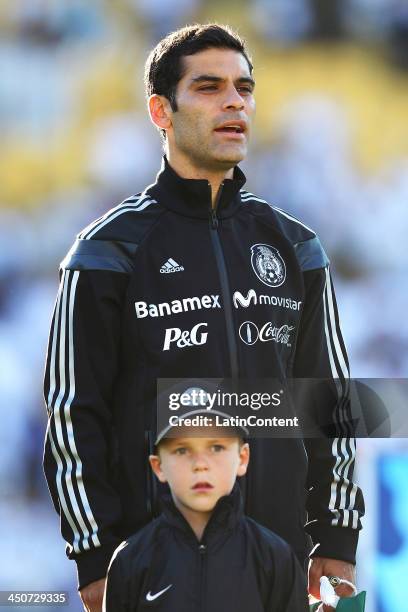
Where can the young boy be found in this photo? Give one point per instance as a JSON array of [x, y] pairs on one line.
[[202, 554]]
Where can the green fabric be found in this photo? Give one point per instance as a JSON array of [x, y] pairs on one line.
[[347, 604], [352, 604]]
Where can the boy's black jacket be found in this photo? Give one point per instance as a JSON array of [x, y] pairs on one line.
[[238, 566], [162, 286]]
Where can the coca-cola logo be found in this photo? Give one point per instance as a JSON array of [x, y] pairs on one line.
[[250, 333]]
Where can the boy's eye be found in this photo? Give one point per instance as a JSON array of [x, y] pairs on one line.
[[217, 448], [180, 451]]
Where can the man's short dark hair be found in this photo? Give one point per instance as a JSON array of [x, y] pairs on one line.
[[164, 67]]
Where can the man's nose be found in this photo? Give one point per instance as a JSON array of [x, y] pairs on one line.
[[233, 100]]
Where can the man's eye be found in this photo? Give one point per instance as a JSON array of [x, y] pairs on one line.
[[246, 90], [208, 88]]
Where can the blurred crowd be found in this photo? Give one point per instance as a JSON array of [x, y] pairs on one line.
[[330, 146]]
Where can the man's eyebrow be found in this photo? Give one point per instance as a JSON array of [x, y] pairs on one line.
[[248, 80], [215, 79]]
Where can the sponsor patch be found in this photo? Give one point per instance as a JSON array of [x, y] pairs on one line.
[[143, 309], [252, 299], [250, 333], [182, 339]]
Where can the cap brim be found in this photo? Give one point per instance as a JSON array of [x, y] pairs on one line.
[[202, 411]]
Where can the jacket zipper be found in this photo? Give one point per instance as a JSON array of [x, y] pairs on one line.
[[202, 550], [225, 289]]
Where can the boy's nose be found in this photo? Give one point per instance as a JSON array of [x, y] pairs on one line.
[[200, 463]]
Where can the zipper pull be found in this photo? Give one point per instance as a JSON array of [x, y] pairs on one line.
[[202, 549], [214, 219]]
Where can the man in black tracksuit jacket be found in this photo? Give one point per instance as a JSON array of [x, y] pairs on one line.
[[193, 278], [238, 566]]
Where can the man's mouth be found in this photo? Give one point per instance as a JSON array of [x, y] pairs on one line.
[[232, 127]]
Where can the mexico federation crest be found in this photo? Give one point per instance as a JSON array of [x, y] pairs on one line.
[[268, 265]]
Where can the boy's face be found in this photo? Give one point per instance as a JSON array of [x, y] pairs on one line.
[[200, 470]]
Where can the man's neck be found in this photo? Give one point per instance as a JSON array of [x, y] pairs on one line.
[[188, 170]]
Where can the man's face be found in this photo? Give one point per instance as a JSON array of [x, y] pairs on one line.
[[201, 470], [214, 95]]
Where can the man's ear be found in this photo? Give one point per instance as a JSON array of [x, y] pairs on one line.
[[160, 111], [155, 464], [243, 459]]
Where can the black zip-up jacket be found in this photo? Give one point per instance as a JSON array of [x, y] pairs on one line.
[[162, 286], [237, 566]]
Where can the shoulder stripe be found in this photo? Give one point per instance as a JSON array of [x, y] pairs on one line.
[[128, 201], [246, 196], [117, 214], [127, 205], [292, 218]]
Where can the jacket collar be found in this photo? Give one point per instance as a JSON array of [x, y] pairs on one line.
[[227, 513], [192, 197]]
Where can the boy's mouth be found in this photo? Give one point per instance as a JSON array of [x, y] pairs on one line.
[[202, 486]]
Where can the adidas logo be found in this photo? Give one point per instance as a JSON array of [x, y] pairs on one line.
[[171, 266]]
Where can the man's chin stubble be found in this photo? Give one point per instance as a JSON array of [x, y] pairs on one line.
[[220, 161]]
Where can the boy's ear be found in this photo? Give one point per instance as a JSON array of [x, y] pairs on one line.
[[243, 459], [155, 464]]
